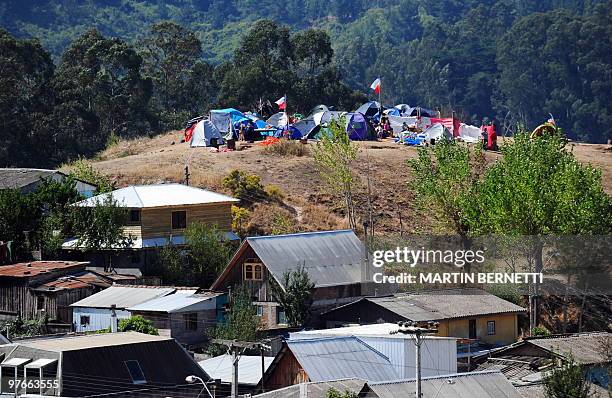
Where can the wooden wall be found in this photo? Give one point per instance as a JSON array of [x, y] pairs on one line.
[[287, 372], [157, 222]]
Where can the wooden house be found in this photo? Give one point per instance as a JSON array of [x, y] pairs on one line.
[[158, 215], [28, 180], [464, 313], [47, 288], [333, 260]]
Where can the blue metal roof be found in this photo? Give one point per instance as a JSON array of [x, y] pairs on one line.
[[341, 357]]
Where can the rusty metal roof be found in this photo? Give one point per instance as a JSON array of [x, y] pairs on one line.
[[77, 281], [34, 268]]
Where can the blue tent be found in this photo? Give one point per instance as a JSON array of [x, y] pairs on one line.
[[291, 131], [357, 127], [221, 118]]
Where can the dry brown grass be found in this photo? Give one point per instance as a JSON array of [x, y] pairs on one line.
[[286, 147]]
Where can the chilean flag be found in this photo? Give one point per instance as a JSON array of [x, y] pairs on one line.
[[376, 86], [282, 102]]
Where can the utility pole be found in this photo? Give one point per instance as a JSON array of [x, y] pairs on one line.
[[418, 330], [236, 348], [187, 175]]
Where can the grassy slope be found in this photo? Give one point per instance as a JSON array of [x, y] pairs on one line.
[[163, 158]]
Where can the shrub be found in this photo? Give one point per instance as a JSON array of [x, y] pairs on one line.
[[287, 148], [240, 217], [540, 331], [137, 323], [246, 187], [81, 169], [275, 193]]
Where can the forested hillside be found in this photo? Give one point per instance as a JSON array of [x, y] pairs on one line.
[[111, 68]]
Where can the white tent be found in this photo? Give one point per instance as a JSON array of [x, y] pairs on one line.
[[205, 133], [470, 134], [436, 132]]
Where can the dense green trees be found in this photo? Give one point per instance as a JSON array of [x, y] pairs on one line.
[[516, 61]]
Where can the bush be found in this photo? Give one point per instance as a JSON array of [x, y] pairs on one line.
[[137, 323], [275, 193], [246, 187], [540, 331], [81, 169], [240, 218], [287, 148]]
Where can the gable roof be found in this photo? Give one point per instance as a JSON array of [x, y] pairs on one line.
[[341, 357], [123, 296], [19, 178], [461, 385], [249, 368], [174, 303], [585, 348], [315, 389], [443, 304], [331, 258], [158, 195]]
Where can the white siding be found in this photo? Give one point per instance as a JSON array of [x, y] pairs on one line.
[[99, 318]]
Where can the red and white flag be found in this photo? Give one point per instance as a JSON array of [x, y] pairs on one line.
[[282, 102], [376, 86]]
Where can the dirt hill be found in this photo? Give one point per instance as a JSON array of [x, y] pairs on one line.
[[309, 200]]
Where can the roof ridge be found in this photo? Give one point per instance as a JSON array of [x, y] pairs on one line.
[[300, 233], [138, 196], [438, 377]]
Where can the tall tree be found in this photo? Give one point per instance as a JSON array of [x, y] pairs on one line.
[[294, 294], [26, 70], [170, 52]]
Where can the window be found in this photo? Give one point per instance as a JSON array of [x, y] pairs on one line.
[[260, 310], [135, 215], [490, 327], [84, 320], [135, 372], [281, 318], [191, 321], [179, 219], [40, 303], [252, 271]]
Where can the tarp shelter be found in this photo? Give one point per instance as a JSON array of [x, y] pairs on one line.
[[370, 109], [278, 120], [357, 127], [470, 134], [206, 134], [436, 132], [452, 124], [222, 118], [397, 122], [256, 119]]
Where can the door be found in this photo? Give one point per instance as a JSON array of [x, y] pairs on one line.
[[472, 329]]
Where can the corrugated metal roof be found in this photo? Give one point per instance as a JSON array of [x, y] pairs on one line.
[[586, 348], [341, 357], [76, 281], [330, 257], [173, 302], [462, 385], [376, 329], [317, 389], [73, 243], [123, 296], [34, 268], [249, 368], [159, 195], [13, 178], [82, 342], [446, 304]]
